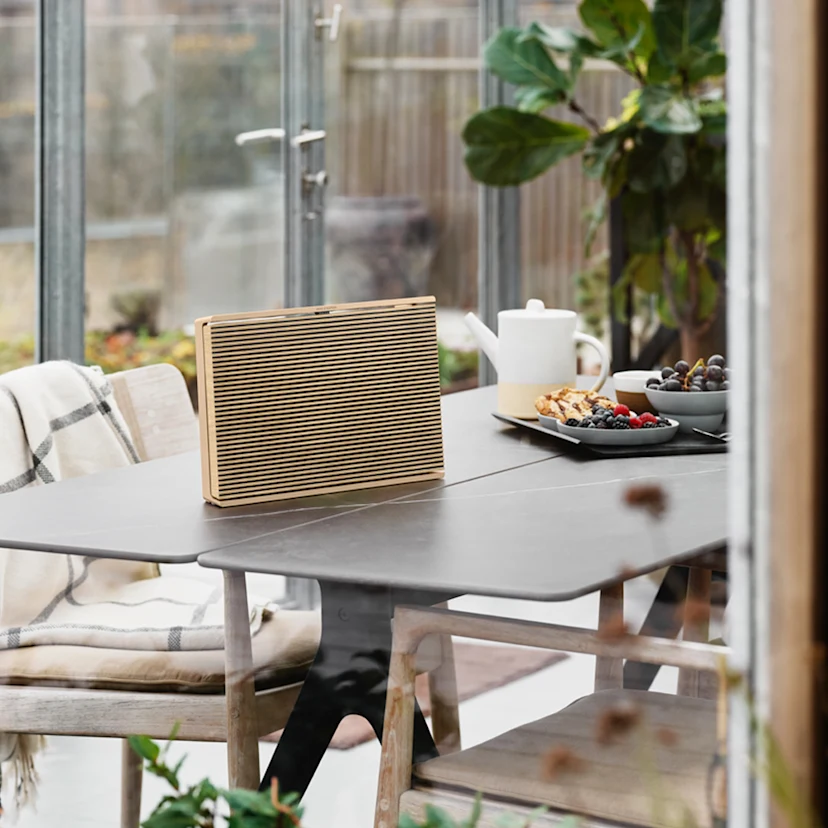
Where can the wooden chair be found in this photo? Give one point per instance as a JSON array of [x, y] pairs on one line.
[[247, 692], [696, 614], [597, 762]]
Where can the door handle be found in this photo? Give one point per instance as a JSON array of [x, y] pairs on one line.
[[307, 136], [330, 23], [259, 135]]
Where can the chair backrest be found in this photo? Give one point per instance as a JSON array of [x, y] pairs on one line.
[[158, 411]]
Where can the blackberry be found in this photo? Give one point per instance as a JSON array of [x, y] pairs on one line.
[[649, 424], [572, 422], [585, 423], [622, 426]]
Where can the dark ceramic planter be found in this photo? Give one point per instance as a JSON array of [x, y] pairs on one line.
[[378, 247]]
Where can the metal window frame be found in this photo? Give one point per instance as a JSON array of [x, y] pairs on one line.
[[499, 270], [750, 71], [303, 107], [60, 239]]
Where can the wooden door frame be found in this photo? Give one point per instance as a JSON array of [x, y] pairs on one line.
[[777, 344]]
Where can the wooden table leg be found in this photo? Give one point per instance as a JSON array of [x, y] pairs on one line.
[[609, 672], [242, 727], [696, 625], [663, 621]]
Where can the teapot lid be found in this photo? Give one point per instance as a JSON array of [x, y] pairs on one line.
[[535, 309]]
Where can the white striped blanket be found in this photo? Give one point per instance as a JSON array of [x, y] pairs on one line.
[[57, 421]]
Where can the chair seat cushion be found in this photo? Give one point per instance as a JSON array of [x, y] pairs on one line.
[[283, 649], [650, 774]]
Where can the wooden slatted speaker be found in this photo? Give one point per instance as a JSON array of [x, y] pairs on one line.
[[315, 400]]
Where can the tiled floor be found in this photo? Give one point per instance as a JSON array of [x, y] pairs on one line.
[[80, 778]]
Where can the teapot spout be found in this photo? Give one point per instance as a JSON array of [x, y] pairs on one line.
[[484, 336]]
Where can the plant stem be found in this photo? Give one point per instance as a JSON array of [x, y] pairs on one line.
[[636, 72], [690, 342], [692, 310], [587, 118]]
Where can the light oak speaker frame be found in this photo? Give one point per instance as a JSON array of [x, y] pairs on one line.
[[318, 400]]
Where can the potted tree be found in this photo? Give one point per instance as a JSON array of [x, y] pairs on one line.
[[663, 156]]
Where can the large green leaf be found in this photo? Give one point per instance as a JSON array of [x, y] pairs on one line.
[[523, 61], [714, 117], [657, 162], [561, 39], [616, 23], [659, 69], [617, 175], [645, 271], [537, 98], [708, 65], [708, 300], [644, 224], [686, 29], [669, 109], [505, 147], [144, 747], [596, 215], [601, 149], [687, 205]]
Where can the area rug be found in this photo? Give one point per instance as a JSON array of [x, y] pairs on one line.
[[480, 668]]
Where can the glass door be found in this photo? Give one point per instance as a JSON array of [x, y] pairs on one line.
[[205, 171]]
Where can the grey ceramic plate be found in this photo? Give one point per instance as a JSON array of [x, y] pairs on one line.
[[613, 437], [548, 422]]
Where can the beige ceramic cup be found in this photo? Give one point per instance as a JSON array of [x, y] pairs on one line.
[[629, 389]]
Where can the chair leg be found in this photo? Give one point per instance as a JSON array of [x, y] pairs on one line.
[[397, 737], [132, 774], [609, 672], [442, 690], [242, 727], [696, 625]]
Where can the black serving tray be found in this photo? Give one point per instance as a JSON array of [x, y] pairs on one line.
[[680, 444]]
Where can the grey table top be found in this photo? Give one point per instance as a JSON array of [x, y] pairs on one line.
[[513, 517], [547, 531], [154, 511]]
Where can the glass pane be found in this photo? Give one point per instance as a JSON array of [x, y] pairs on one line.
[[402, 211], [17, 194], [181, 222]]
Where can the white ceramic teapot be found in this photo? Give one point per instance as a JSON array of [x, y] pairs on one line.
[[533, 354]]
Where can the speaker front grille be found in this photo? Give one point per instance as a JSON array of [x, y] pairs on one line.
[[317, 400]]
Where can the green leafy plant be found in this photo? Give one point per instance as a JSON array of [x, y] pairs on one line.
[[201, 805], [663, 156], [455, 365]]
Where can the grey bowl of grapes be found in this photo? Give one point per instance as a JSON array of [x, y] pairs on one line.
[[700, 390]]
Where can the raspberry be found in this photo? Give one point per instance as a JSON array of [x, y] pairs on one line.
[[647, 417], [621, 409], [635, 422]]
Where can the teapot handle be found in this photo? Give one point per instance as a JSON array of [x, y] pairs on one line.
[[602, 352]]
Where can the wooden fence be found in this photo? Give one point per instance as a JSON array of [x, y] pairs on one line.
[[395, 125]]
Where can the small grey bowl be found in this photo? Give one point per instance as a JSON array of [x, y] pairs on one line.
[[669, 403]]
